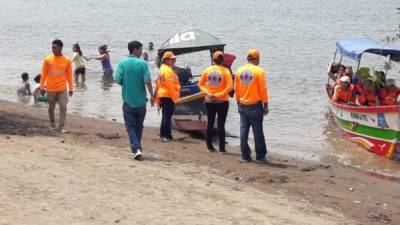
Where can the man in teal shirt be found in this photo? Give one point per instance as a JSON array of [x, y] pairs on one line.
[[133, 75]]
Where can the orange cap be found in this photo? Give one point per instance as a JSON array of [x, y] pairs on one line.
[[217, 54], [253, 54], [168, 55]]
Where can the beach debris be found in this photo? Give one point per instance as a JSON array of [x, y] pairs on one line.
[[281, 179], [108, 136], [117, 221], [238, 178], [351, 189], [62, 141], [379, 217], [7, 137], [308, 169], [312, 168], [357, 202], [324, 166], [114, 120]]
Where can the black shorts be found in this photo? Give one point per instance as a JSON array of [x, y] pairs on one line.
[[81, 70]]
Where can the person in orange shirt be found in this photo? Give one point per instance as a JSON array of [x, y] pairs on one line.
[[390, 93], [252, 98], [343, 92], [216, 82], [167, 92], [56, 74]]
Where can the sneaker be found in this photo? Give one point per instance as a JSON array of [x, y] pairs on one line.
[[245, 160], [223, 151], [262, 160], [138, 155], [167, 139], [211, 149], [62, 130]]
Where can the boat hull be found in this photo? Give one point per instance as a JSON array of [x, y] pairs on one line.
[[374, 128], [190, 116]]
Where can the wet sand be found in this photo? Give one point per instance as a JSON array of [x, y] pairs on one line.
[[86, 177]]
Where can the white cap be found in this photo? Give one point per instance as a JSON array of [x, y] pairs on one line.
[[345, 79]]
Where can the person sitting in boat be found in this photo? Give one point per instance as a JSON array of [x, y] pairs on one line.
[[335, 71], [184, 73], [390, 93], [344, 92], [366, 94], [348, 72]]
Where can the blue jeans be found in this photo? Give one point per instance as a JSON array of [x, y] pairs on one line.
[[252, 115], [134, 118]]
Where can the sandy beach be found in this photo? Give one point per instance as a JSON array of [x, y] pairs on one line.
[[86, 176]]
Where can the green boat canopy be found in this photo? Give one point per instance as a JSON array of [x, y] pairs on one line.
[[190, 40]]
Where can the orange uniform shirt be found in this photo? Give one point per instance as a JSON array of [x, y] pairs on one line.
[[250, 85], [167, 84], [56, 72], [216, 80]]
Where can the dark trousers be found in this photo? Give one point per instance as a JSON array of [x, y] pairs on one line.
[[168, 107], [134, 118], [252, 116], [221, 111]]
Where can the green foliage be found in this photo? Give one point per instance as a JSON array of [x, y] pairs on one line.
[[377, 77]]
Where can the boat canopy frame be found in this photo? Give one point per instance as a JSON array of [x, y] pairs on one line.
[[189, 41], [354, 48]]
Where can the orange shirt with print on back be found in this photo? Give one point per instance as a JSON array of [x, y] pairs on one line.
[[217, 81], [56, 72], [250, 85], [168, 84]]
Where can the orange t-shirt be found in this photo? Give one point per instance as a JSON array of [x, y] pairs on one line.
[[216, 80], [389, 96], [56, 72], [168, 84], [250, 85]]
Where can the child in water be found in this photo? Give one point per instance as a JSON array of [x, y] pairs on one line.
[[37, 96], [24, 88], [104, 57], [79, 63]]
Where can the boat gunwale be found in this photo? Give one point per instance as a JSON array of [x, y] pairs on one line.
[[365, 109]]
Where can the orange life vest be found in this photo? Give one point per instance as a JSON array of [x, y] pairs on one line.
[[366, 98], [345, 95], [389, 96]]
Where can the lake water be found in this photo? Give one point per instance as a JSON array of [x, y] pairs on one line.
[[296, 40]]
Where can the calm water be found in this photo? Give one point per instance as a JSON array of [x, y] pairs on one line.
[[296, 38]]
